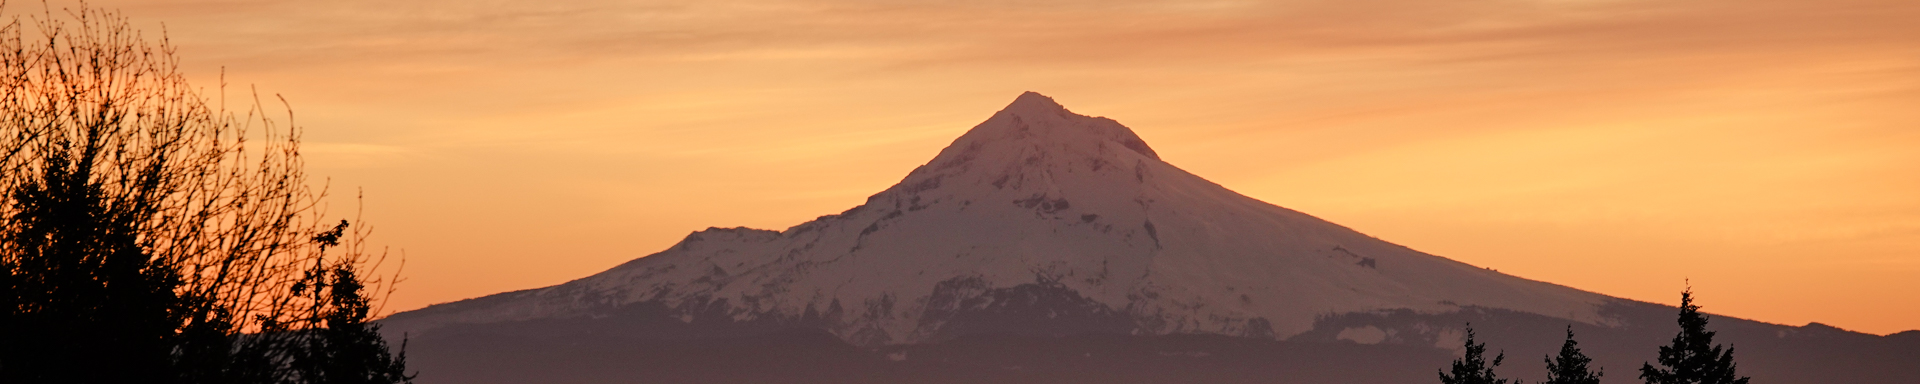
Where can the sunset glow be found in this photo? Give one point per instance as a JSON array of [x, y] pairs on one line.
[[1766, 150]]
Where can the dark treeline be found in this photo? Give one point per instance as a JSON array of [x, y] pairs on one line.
[[144, 238], [1692, 358]]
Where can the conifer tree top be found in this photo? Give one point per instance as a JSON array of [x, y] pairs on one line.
[[1693, 358], [1473, 367], [1571, 366]]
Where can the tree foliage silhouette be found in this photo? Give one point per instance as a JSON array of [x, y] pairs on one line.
[[1693, 358], [1473, 367], [140, 227], [1571, 366], [343, 347]]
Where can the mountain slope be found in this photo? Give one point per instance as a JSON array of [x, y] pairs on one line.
[[1036, 220]]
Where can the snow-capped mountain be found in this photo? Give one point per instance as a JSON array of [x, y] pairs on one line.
[[1048, 247], [1038, 220]]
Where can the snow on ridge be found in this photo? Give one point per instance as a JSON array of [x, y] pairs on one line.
[[1075, 208]]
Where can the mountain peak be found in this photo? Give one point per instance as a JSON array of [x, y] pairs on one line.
[[1035, 119], [1034, 101]]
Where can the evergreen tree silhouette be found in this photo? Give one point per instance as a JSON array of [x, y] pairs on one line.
[[1473, 367], [358, 354], [343, 347], [1692, 358], [1571, 367], [80, 288]]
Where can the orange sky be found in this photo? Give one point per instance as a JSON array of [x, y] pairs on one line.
[[1767, 149]]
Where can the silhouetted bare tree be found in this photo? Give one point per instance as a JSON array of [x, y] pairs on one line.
[[146, 227]]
